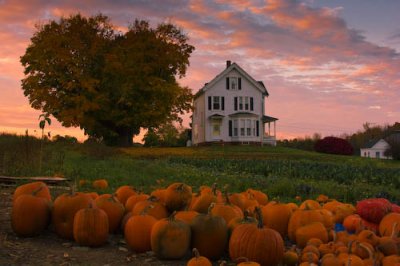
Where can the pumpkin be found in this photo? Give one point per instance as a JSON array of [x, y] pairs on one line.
[[309, 257], [326, 248], [311, 230], [276, 216], [40, 188], [368, 236], [257, 243], [124, 192], [227, 210], [392, 260], [342, 211], [64, 209], [209, 234], [352, 223], [202, 202], [160, 194], [258, 195], [315, 242], [113, 208], [186, 216], [93, 195], [389, 244], [178, 196], [246, 219], [310, 204], [158, 210], [198, 260], [386, 224], [330, 260], [137, 232], [291, 257], [293, 206], [374, 209], [100, 184], [238, 199], [300, 218], [132, 200], [246, 262], [91, 226], [395, 208], [322, 198], [170, 238], [30, 214]]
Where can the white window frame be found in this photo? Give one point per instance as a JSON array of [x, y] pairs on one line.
[[233, 83], [216, 100]]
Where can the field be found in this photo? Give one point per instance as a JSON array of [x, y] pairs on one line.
[[281, 173]]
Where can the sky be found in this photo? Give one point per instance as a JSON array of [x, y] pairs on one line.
[[329, 65]]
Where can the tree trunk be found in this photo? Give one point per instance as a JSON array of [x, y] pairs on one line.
[[125, 137]]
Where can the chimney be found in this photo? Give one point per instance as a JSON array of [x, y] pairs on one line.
[[228, 63]]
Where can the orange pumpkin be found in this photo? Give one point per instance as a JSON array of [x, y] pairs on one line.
[[209, 234], [198, 260], [113, 208], [303, 217], [276, 216], [260, 196], [30, 214], [90, 227], [291, 257], [40, 189], [257, 243], [386, 225], [186, 216], [178, 197], [64, 209], [310, 205], [137, 232], [132, 200], [227, 211], [202, 202], [311, 230], [158, 210], [170, 238], [124, 192], [100, 184]]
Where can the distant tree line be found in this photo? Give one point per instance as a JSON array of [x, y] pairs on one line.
[[356, 140]]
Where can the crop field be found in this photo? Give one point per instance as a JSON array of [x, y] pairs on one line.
[[282, 173]]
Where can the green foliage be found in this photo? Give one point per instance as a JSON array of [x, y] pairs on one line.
[[306, 143], [85, 73], [280, 172], [166, 135]]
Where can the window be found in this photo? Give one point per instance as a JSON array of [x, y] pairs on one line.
[[378, 154], [235, 128], [233, 83], [248, 127], [216, 104], [242, 127], [240, 103], [243, 103], [246, 103]]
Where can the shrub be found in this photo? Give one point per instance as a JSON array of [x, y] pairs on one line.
[[334, 145]]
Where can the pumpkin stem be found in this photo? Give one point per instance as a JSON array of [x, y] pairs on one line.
[[172, 216], [370, 254], [214, 189], [34, 193], [211, 207], [195, 253], [146, 209], [259, 217]]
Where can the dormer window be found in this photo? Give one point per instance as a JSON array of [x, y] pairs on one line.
[[233, 83]]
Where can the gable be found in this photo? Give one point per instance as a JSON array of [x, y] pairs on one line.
[[259, 85], [376, 144]]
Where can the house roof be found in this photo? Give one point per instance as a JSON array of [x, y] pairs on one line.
[[257, 84], [371, 143]]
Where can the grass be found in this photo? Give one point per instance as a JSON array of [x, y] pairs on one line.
[[280, 172]]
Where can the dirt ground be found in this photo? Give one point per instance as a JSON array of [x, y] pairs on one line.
[[49, 249]]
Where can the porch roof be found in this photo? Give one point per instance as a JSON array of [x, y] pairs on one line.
[[267, 119]]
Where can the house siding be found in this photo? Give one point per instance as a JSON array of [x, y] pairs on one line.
[[379, 148]]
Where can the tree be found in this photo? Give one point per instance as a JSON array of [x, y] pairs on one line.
[[334, 145], [166, 135], [85, 73]]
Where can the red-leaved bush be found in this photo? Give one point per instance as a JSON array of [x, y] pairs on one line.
[[334, 145]]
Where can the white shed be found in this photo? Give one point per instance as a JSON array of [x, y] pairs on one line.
[[375, 149]]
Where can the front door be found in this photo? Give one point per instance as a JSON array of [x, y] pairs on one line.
[[216, 129]]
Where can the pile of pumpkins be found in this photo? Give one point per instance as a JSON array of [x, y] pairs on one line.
[[172, 221]]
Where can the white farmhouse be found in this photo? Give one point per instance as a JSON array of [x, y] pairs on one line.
[[375, 149], [230, 109]]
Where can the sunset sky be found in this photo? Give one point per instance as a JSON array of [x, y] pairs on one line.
[[329, 65]]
